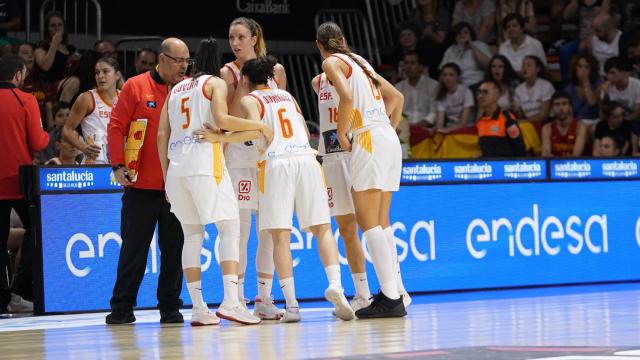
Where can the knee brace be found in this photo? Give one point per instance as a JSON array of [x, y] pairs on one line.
[[229, 231], [245, 228], [193, 238], [264, 255]]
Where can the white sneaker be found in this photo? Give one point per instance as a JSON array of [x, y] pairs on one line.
[[406, 299], [236, 312], [203, 317], [341, 307], [19, 305], [265, 309], [243, 303], [359, 302], [291, 314]]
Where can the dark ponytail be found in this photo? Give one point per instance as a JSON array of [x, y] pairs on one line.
[[207, 61], [330, 36], [259, 70]]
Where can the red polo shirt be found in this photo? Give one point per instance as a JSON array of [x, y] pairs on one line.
[[20, 136], [142, 97]]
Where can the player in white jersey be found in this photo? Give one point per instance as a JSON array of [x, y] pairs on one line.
[[376, 158], [290, 177], [91, 112], [247, 42], [197, 182], [335, 164]]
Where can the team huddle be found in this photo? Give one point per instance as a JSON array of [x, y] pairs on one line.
[[235, 128]]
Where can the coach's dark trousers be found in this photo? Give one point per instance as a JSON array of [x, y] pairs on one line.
[[141, 210], [23, 280]]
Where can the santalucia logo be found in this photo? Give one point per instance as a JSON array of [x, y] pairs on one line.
[[421, 172], [70, 179], [620, 169], [523, 170], [473, 171], [573, 169]]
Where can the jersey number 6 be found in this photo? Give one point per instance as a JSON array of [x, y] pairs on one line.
[[285, 124]]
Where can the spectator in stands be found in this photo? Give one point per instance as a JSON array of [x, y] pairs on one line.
[[585, 11], [146, 59], [105, 47], [408, 42], [432, 21], [564, 135], [501, 72], [54, 56], [583, 87], [498, 132], [454, 101], [481, 14], [610, 146], [419, 92], [532, 97], [9, 21], [471, 55], [21, 136], [66, 152], [35, 85], [523, 8], [622, 88], [630, 48], [613, 124], [60, 117], [518, 43], [604, 43]]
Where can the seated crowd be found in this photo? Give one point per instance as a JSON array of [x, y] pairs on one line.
[[578, 96]]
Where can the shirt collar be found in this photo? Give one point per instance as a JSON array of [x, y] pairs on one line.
[[155, 75], [7, 85]]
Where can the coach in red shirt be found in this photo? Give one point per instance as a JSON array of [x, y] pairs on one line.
[[21, 135], [144, 203]]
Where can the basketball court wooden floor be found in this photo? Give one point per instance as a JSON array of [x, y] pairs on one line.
[[570, 323]]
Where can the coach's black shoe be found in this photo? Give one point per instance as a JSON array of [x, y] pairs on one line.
[[382, 307], [171, 317], [120, 317]]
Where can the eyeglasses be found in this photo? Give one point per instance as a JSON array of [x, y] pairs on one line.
[[187, 61]]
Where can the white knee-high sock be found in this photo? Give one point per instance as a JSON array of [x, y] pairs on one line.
[[361, 284], [195, 292], [289, 291], [230, 284], [333, 275], [379, 251], [391, 240]]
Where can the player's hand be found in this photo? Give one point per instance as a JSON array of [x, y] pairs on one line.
[[121, 178], [91, 151], [208, 135], [345, 144], [56, 39], [267, 132]]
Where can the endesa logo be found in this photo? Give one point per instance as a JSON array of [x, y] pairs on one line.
[[70, 179], [547, 235], [188, 140]]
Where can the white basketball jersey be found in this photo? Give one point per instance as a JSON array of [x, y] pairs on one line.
[[328, 101], [280, 112], [94, 125], [368, 106], [189, 109], [242, 155]]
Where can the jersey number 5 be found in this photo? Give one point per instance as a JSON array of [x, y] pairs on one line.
[[185, 110], [285, 124]]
